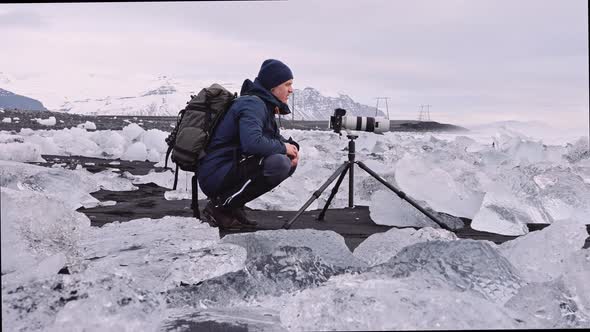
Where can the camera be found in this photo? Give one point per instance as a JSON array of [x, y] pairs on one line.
[[340, 121]]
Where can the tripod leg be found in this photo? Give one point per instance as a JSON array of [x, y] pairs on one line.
[[315, 195], [351, 184], [402, 195], [334, 191]]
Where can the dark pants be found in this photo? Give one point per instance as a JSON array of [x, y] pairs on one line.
[[252, 177]]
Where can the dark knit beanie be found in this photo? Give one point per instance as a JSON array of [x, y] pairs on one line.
[[273, 73]]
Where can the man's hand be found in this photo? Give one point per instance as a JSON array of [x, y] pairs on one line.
[[292, 151], [294, 161]]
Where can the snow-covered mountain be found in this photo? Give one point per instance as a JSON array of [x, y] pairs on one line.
[[162, 96], [10, 100], [94, 94], [310, 104], [164, 100]]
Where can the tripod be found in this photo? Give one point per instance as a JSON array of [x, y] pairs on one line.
[[349, 166]]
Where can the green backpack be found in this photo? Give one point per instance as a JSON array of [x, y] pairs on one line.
[[194, 129]]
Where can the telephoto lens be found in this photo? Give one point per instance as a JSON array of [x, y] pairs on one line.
[[361, 123]]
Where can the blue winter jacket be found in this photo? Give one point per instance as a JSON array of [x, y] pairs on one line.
[[248, 128]]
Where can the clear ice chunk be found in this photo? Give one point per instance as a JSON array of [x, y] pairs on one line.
[[462, 264], [551, 303], [328, 245], [283, 270], [359, 303], [58, 304], [380, 247], [159, 253], [541, 256], [32, 234], [425, 180], [501, 213]]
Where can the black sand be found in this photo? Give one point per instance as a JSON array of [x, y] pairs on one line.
[[148, 201]]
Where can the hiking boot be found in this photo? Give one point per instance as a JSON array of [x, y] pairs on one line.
[[240, 215], [220, 217]]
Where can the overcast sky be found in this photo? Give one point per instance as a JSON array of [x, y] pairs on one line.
[[473, 60]]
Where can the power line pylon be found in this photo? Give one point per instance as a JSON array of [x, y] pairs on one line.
[[293, 106], [422, 116], [302, 100], [386, 107]]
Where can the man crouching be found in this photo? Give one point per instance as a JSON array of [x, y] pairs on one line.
[[247, 156]]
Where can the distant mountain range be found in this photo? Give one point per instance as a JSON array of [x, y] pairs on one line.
[[310, 104], [9, 100], [165, 96]]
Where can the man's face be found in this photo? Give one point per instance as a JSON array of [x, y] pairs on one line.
[[283, 91]]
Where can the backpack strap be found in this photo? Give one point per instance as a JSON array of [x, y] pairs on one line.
[[171, 139], [175, 178], [170, 147], [195, 196]]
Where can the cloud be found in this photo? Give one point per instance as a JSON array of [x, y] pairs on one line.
[[463, 57], [21, 18]]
